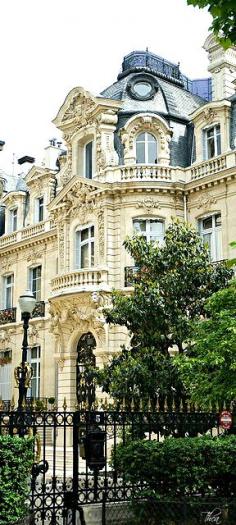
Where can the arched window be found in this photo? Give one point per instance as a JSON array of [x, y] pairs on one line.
[[85, 387], [146, 149]]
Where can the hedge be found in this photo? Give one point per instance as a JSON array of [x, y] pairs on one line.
[[16, 459], [181, 467]]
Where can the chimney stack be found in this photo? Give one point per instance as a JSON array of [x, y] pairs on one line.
[[222, 66]]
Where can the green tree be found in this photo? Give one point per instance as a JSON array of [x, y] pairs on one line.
[[208, 368], [223, 13], [171, 285]]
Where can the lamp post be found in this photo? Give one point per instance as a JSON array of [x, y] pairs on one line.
[[23, 372]]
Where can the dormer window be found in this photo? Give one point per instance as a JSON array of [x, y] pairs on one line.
[[146, 149], [212, 141], [13, 220], [88, 160], [39, 212]]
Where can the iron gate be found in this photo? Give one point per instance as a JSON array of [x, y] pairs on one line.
[[79, 449]]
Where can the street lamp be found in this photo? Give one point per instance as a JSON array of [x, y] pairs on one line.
[[23, 372]]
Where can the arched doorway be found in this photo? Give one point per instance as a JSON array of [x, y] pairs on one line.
[[85, 388]]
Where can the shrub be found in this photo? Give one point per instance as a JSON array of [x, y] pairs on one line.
[[181, 467], [16, 459]]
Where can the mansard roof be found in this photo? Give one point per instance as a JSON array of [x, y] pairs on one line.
[[173, 92]]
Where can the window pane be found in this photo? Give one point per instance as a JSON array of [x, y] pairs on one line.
[[92, 231], [211, 148], [88, 160], [151, 138], [92, 253], [140, 137], [207, 238], [84, 256], [207, 223], [140, 152], [218, 219], [140, 226], [210, 133], [156, 227], [218, 144], [152, 153], [84, 234]]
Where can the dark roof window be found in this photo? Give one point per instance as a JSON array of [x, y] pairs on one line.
[[142, 87]]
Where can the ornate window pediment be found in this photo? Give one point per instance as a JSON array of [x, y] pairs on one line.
[[147, 124]]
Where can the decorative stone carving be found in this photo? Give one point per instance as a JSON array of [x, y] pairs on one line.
[[76, 313], [101, 235], [79, 107], [206, 201], [33, 335], [209, 115], [34, 254], [61, 244], [148, 203], [152, 124]]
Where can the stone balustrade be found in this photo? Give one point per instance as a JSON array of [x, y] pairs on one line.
[[208, 167], [26, 233], [146, 172], [80, 280]]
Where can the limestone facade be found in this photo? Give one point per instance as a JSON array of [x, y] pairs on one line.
[[146, 150]]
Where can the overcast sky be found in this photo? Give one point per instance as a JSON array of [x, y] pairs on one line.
[[50, 46]]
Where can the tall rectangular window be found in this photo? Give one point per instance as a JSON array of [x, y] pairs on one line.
[[89, 160], [210, 231], [35, 282], [212, 142], [8, 291], [39, 209], [150, 229], [5, 375], [13, 220], [34, 359], [85, 248]]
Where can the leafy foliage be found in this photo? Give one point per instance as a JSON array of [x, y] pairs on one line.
[[16, 459], [208, 369], [224, 18], [181, 467], [171, 286]]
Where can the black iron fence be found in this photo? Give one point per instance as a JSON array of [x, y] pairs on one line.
[[76, 463]]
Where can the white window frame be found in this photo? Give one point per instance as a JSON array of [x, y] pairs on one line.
[[38, 208], [13, 219], [146, 142], [78, 244], [85, 160], [7, 286], [148, 233], [36, 377], [213, 231], [38, 291], [216, 132]]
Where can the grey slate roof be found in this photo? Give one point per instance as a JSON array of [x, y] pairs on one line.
[[170, 99]]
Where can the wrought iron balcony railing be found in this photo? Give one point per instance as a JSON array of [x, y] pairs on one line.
[[8, 316], [130, 272], [39, 309]]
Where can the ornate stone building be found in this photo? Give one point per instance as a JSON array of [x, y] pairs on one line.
[[152, 146]]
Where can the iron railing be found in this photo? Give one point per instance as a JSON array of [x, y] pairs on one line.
[[80, 450], [8, 315]]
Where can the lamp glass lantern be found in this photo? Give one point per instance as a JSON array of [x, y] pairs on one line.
[[27, 302]]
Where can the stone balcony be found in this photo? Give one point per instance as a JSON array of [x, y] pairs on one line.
[[92, 279], [161, 173], [26, 233]]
